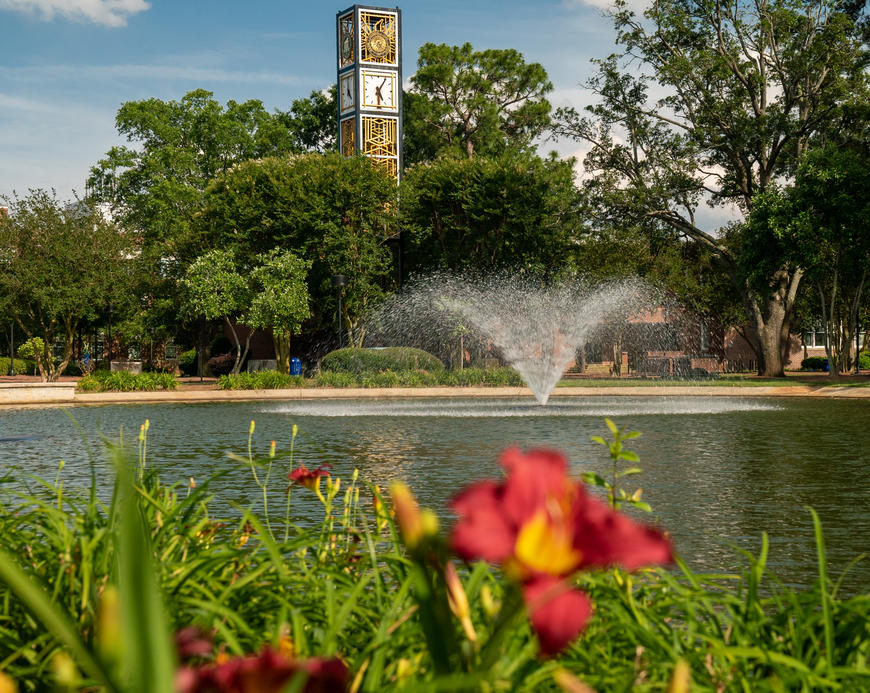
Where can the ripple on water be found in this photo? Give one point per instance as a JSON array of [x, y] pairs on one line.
[[515, 408]]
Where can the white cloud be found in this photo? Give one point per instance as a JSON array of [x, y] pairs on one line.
[[106, 12], [637, 6]]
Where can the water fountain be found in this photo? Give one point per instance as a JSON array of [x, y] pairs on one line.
[[535, 327]]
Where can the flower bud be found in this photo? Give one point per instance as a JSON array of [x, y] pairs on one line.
[[7, 685], [407, 514], [458, 601], [251, 429]]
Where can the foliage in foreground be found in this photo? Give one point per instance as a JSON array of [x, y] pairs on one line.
[[272, 380], [124, 381], [95, 588]]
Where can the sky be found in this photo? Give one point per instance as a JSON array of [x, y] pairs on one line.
[[67, 65]]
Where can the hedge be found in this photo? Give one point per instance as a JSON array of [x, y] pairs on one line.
[[354, 360]]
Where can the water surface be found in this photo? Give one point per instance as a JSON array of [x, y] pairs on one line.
[[717, 471]]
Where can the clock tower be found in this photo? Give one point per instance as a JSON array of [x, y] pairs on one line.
[[370, 84]]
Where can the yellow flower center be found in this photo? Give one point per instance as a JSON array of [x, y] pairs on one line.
[[545, 546]]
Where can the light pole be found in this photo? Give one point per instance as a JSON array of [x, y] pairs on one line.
[[109, 342], [151, 359], [12, 348], [339, 281]]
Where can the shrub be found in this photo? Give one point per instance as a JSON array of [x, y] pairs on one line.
[[814, 363], [353, 360], [30, 349], [864, 361], [221, 364], [124, 381], [22, 366], [261, 380], [187, 362]]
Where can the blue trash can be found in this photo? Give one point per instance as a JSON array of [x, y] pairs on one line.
[[295, 366]]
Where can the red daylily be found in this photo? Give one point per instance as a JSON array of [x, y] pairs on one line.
[[268, 672], [542, 527], [309, 478]]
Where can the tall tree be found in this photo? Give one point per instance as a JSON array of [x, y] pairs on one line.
[[746, 87], [821, 222], [155, 187], [515, 210], [476, 101], [338, 212], [61, 263]]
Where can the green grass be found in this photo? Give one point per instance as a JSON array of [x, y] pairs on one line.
[[105, 583]]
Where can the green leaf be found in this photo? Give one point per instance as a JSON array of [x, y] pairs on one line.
[[612, 426], [149, 655], [54, 619], [629, 472], [629, 456], [593, 479], [599, 440]]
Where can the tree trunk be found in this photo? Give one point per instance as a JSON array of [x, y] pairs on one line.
[[281, 341], [773, 322]]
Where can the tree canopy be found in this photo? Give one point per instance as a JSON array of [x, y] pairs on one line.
[[744, 88], [510, 211], [338, 212], [61, 262], [476, 101]]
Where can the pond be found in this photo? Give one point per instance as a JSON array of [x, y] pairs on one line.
[[717, 471]]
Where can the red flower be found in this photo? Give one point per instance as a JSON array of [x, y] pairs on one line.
[[268, 672], [308, 477], [542, 527]]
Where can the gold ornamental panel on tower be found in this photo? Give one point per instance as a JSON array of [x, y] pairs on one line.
[[348, 138], [380, 136], [378, 37]]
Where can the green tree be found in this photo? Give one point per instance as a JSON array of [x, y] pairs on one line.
[[280, 300], [154, 185], [338, 212], [61, 263], [311, 122], [213, 288], [746, 88], [514, 210], [476, 101], [821, 222]]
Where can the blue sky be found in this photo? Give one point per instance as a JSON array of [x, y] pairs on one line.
[[67, 65]]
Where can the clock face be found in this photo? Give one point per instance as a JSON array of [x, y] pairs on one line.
[[347, 96], [379, 90], [345, 40], [377, 43], [378, 37]]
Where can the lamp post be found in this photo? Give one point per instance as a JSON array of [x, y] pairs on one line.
[[339, 281], [151, 359], [12, 348], [109, 342]]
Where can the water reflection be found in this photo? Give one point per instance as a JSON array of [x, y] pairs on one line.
[[717, 471]]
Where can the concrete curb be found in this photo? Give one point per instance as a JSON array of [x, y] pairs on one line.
[[54, 394]]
